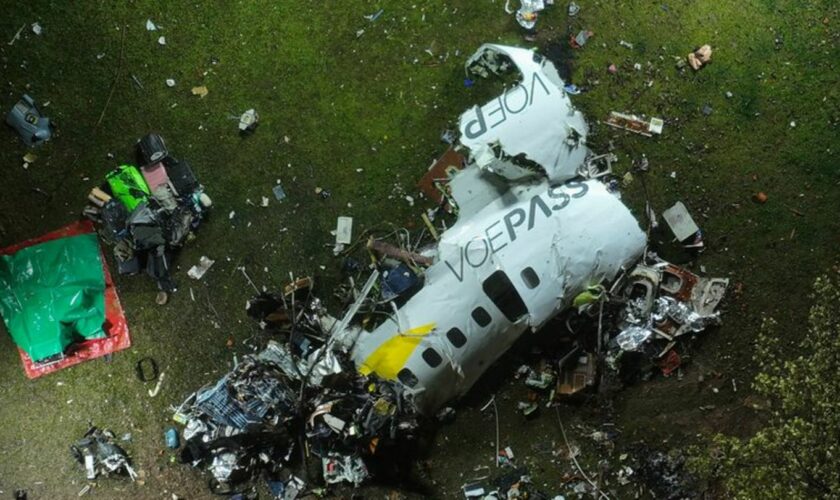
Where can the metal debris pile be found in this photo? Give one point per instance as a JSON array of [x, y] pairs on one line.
[[646, 312], [299, 401], [99, 455], [661, 304]]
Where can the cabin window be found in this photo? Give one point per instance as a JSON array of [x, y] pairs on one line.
[[529, 276], [500, 290], [481, 316], [456, 337], [407, 377], [431, 357]]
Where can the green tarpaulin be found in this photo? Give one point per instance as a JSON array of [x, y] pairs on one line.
[[52, 294]]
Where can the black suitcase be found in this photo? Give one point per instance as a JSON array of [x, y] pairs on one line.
[[181, 176]]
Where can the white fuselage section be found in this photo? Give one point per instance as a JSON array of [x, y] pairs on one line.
[[512, 265]]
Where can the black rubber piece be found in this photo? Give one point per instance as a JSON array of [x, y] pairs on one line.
[[143, 367]]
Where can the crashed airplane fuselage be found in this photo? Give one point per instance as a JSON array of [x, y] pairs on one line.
[[528, 239]]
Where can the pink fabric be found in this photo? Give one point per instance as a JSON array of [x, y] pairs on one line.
[[155, 175]]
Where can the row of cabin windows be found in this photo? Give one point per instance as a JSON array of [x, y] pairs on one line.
[[498, 289]]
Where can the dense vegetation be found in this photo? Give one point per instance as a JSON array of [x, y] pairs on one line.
[[796, 454]]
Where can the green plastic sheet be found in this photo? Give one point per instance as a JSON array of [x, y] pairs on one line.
[[53, 294]]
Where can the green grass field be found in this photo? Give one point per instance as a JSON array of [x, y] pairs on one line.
[[332, 102]]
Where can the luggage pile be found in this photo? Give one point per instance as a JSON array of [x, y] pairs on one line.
[[148, 213]]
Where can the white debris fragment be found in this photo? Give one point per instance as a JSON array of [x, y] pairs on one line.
[[410, 200], [154, 392], [150, 26], [792, 124], [29, 158], [162, 40], [344, 230], [197, 272], [680, 221], [248, 120], [232, 214], [36, 28], [170, 82], [264, 202], [17, 35]]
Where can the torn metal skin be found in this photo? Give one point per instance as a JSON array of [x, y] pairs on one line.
[[663, 302], [531, 129]]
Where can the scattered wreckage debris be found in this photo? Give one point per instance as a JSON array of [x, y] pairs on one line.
[[200, 91], [597, 166], [434, 184], [248, 121], [514, 483], [700, 57], [329, 394], [528, 12], [146, 369], [100, 455], [407, 257], [148, 213], [635, 124], [579, 40], [241, 424], [26, 119], [663, 302], [344, 230], [686, 231], [198, 271], [278, 192], [665, 474], [647, 310]]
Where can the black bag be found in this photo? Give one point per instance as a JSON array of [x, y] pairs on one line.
[[181, 176], [152, 149], [114, 217]]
